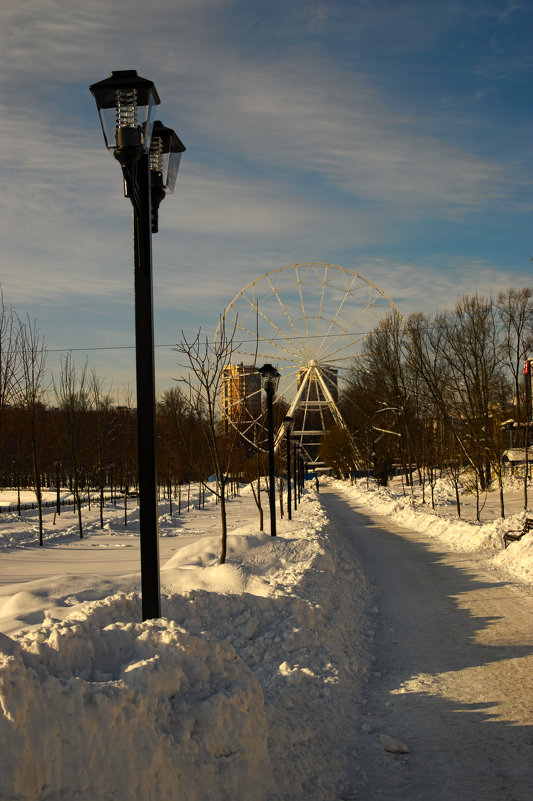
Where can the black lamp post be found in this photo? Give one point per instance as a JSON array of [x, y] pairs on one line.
[[269, 381], [288, 423], [295, 471], [299, 470], [149, 154]]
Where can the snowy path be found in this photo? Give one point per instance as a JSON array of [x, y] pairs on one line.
[[453, 670]]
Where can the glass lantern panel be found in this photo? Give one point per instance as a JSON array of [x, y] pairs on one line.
[[129, 117], [170, 173]]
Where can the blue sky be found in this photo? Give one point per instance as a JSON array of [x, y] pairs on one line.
[[389, 137]]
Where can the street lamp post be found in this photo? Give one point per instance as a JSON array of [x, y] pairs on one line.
[[149, 154], [269, 380], [295, 471], [528, 366], [288, 423], [299, 470]]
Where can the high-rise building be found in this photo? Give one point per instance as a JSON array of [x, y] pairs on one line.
[[241, 394]]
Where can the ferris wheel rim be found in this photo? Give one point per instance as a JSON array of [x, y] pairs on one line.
[[303, 348], [312, 264]]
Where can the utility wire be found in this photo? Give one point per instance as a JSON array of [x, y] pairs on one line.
[[175, 344]]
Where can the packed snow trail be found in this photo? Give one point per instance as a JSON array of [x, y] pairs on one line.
[[452, 676]]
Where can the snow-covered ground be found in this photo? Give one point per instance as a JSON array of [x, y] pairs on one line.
[[243, 689], [465, 534], [232, 687]]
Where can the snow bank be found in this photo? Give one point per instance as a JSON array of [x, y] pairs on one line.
[[518, 557], [456, 534], [128, 710], [245, 677]]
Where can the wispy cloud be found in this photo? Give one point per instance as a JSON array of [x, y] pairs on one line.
[[294, 153], [305, 115], [437, 283]]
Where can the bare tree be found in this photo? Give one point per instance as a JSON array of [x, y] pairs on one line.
[[8, 353], [515, 309], [458, 357], [380, 381], [72, 397], [173, 428], [337, 450], [479, 391], [30, 393], [101, 404], [207, 360]]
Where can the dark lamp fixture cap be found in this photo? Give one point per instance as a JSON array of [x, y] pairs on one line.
[[267, 370], [171, 141], [104, 91]]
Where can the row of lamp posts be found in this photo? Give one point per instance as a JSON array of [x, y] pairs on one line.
[[269, 382]]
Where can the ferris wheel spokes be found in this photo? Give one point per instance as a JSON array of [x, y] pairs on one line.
[[305, 317]]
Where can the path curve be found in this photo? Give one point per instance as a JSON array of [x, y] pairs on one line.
[[452, 671]]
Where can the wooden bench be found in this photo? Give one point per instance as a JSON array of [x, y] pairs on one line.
[[515, 535]]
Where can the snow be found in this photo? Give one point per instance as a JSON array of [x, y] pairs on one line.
[[457, 534], [244, 688], [227, 689]]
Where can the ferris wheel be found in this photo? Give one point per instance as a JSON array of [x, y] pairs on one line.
[[309, 321]]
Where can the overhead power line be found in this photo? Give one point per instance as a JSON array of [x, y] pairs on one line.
[[238, 342]]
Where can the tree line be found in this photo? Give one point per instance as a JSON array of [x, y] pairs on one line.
[[440, 395], [430, 395], [68, 430]]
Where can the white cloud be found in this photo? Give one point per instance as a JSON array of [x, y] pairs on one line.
[[439, 283], [295, 112], [289, 158], [302, 114]]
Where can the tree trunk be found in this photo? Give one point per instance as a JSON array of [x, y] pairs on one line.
[[224, 525], [38, 494]]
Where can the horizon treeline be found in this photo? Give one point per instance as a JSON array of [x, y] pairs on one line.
[[428, 395], [66, 428], [440, 395]]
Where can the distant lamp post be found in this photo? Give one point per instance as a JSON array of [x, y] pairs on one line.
[[299, 470], [288, 423], [149, 154], [295, 471], [269, 382]]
